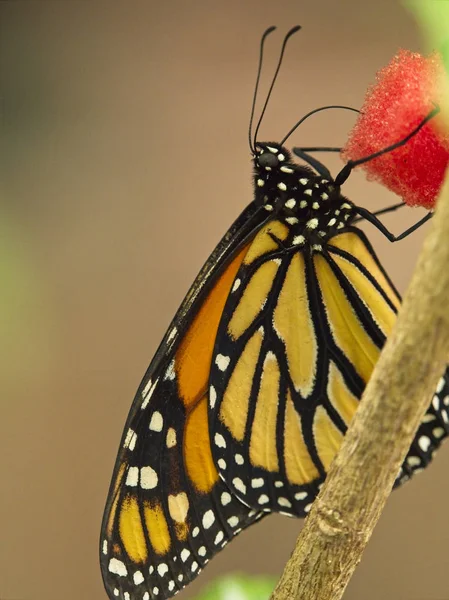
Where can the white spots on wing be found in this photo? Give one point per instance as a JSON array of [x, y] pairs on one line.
[[148, 478], [303, 204], [185, 554], [257, 482], [126, 596], [130, 440], [146, 596], [219, 440], [346, 205], [413, 461], [291, 203], [268, 207], [180, 577], [116, 591], [156, 422], [278, 484], [138, 577], [332, 222], [151, 570], [324, 196], [436, 402], [117, 567], [312, 223], [132, 477], [170, 373], [424, 443], [315, 205], [222, 362], [172, 334], [446, 400], [178, 506], [194, 566], [260, 182], [221, 463], [225, 498], [219, 538], [307, 508], [239, 459], [195, 531], [282, 186], [212, 396], [233, 521], [308, 192], [105, 546], [171, 585], [170, 440], [208, 519], [438, 432], [440, 385], [162, 569], [444, 415], [300, 495], [298, 240], [263, 499], [239, 485], [202, 551], [303, 181], [286, 169], [148, 392], [428, 417], [155, 590], [236, 285], [317, 247], [291, 220], [284, 502]]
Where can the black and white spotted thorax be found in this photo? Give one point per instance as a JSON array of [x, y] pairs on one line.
[[310, 205]]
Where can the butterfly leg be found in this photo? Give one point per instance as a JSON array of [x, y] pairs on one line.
[[368, 216]]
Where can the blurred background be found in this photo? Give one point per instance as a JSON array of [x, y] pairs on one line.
[[124, 158]]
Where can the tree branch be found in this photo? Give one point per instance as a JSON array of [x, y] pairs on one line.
[[361, 477]]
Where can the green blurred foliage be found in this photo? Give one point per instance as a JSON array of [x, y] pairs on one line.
[[239, 587], [433, 19]]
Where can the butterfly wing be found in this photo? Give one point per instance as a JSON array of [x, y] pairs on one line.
[[168, 512], [299, 338]]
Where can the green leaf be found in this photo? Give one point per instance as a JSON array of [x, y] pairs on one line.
[[239, 587]]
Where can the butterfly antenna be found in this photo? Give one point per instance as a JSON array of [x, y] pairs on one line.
[[312, 112], [287, 37], [259, 71]]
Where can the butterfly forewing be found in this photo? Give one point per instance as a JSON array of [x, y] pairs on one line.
[[168, 512]]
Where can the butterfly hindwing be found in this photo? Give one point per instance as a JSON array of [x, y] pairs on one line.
[[300, 335]]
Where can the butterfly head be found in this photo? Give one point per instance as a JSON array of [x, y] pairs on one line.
[[270, 156]]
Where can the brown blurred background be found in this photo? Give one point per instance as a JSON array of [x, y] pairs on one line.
[[123, 160]]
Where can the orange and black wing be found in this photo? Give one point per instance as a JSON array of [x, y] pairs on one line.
[[168, 512], [300, 335]]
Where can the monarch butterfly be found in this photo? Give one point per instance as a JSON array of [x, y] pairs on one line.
[[249, 395]]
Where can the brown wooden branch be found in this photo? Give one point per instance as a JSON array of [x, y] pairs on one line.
[[361, 477]]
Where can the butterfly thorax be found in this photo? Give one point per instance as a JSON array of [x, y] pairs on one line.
[[310, 205]]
